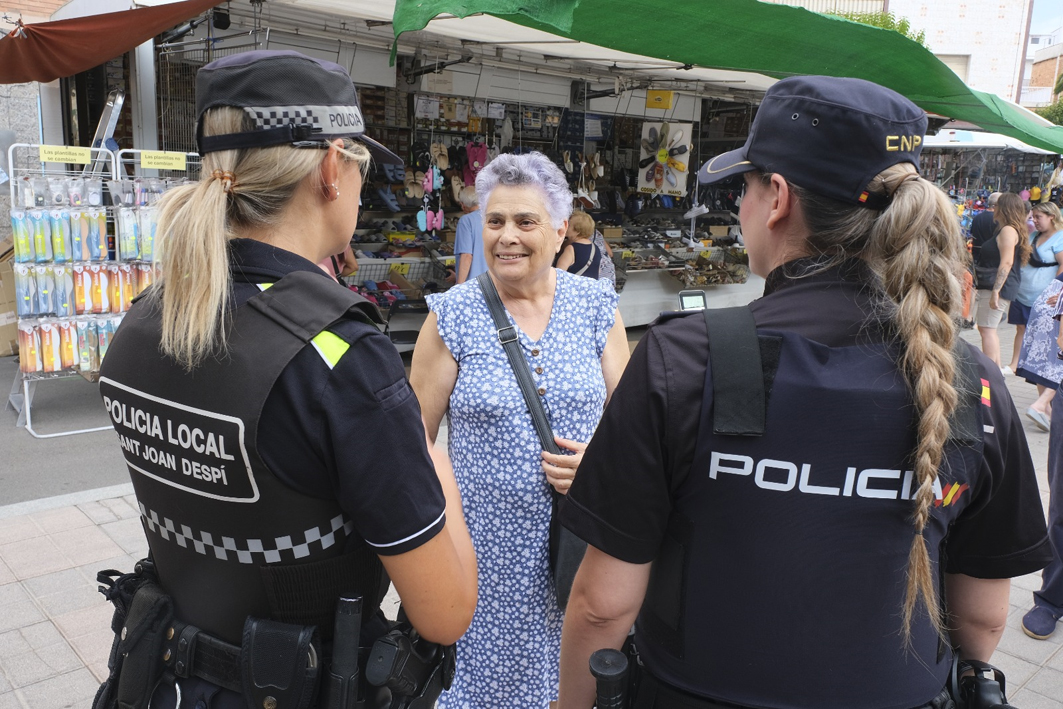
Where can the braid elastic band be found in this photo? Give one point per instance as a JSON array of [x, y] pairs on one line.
[[228, 182], [907, 178]]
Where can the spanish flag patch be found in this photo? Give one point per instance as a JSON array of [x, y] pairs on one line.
[[985, 393]]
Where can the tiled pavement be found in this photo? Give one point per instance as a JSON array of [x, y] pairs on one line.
[[54, 626]]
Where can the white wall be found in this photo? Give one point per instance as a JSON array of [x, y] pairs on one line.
[[992, 32]]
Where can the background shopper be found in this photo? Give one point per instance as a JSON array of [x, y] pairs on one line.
[[468, 239], [573, 339], [1045, 262], [1040, 621], [833, 553], [998, 271], [580, 255]]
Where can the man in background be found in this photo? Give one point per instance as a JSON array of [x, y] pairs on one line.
[[469, 242], [983, 228]]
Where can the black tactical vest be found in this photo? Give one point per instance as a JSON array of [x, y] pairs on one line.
[[782, 575], [229, 539]]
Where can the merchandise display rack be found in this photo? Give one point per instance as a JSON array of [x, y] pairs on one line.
[[37, 174], [84, 247]]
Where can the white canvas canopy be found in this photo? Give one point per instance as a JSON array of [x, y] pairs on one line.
[[973, 140]]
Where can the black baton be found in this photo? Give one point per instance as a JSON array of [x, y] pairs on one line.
[[342, 681], [609, 668]]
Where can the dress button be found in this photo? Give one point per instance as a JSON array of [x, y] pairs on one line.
[[538, 370], [542, 390], [535, 353]]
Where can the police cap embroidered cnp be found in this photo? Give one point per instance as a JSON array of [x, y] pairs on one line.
[[290, 98], [830, 135]]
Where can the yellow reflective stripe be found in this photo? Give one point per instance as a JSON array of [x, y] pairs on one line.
[[330, 346], [264, 286]]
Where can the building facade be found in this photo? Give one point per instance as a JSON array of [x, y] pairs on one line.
[[983, 41]]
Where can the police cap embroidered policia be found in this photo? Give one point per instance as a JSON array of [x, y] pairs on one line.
[[290, 97], [828, 135]]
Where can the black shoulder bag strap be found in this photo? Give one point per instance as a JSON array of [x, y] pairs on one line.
[[1035, 259], [566, 549], [507, 335], [739, 402]]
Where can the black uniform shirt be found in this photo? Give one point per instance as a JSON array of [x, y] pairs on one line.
[[621, 499], [352, 432]]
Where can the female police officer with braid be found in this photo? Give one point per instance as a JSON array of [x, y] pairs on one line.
[[809, 502], [276, 449]]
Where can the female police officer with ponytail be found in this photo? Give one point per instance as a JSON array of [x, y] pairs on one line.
[[276, 449], [813, 501]]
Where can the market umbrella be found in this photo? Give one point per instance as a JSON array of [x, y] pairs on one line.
[[45, 51], [747, 35]]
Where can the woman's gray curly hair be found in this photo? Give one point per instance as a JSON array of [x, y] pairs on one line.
[[533, 169]]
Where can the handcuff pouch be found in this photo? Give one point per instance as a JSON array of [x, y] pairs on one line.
[[279, 664], [141, 643]]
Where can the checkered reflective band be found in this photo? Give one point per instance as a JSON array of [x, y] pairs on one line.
[[330, 119], [270, 551]]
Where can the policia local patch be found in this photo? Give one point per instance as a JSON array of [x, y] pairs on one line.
[[197, 451]]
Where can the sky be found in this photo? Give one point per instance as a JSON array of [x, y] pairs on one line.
[[1047, 16]]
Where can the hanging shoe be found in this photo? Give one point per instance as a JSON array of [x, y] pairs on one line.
[[677, 150], [662, 139], [387, 197], [456, 186], [676, 165], [670, 176], [568, 162], [675, 139], [422, 220]]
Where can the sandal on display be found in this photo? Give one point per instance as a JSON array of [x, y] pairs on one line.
[[387, 197], [675, 140], [422, 220], [677, 150], [456, 185], [676, 165], [646, 162], [568, 162]]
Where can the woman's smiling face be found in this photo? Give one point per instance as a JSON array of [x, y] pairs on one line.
[[519, 241]]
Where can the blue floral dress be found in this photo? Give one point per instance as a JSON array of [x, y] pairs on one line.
[[509, 656], [1038, 363]]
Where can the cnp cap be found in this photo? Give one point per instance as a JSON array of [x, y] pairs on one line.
[[291, 99], [830, 135]]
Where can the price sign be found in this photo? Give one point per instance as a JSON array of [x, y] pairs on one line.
[[65, 153], [163, 160], [627, 254], [448, 261], [403, 269]]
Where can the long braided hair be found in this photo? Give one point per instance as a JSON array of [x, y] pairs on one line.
[[915, 247]]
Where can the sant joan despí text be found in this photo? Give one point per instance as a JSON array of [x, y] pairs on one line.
[[182, 435]]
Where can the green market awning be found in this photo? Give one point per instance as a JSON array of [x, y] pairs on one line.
[[751, 36]]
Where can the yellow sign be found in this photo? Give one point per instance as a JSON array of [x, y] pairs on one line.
[[659, 99], [65, 153], [403, 269], [448, 261], [163, 160], [627, 254]]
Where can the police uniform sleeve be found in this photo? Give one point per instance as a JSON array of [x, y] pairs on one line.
[[354, 432], [1002, 533], [620, 501]]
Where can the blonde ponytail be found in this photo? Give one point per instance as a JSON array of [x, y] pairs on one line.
[[248, 188], [915, 247]]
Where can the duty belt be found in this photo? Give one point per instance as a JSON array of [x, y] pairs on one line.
[[652, 693], [190, 652]]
